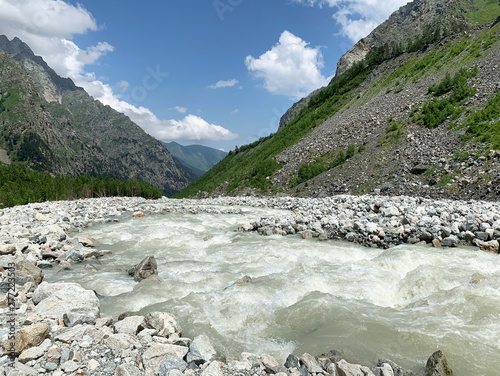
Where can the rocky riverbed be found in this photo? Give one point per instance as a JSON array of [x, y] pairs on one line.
[[57, 329]]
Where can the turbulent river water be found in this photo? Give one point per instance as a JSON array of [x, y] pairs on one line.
[[302, 295]]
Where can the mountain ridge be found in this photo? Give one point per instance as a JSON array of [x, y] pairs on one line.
[[55, 126], [419, 117], [198, 158]]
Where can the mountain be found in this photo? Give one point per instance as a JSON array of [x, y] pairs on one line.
[[55, 126], [414, 109], [197, 158]]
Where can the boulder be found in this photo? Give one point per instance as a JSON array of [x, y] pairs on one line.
[[311, 363], [214, 369], [31, 269], [157, 353], [397, 370], [347, 369], [54, 300], [450, 241], [127, 370], [164, 323], [171, 364], [201, 350], [87, 241], [491, 246], [437, 365], [384, 370], [26, 338], [7, 249], [145, 269], [32, 353], [130, 325]]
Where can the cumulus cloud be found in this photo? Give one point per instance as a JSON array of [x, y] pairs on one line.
[[222, 84], [48, 26], [358, 18], [180, 109], [290, 68]]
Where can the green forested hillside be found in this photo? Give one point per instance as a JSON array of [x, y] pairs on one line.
[[431, 100], [20, 185]]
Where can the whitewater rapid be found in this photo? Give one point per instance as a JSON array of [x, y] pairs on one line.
[[402, 303]]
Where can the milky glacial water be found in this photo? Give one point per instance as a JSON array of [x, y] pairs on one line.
[[403, 303]]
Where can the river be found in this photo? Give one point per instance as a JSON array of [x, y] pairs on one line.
[[302, 295]]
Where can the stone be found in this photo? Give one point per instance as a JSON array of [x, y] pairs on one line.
[[201, 350], [159, 352], [270, 364], [292, 361], [32, 353], [437, 365], [7, 249], [145, 269], [311, 363], [54, 354], [165, 323], [92, 365], [87, 241], [118, 342], [308, 234], [31, 269], [27, 337], [56, 299], [75, 255], [384, 370], [70, 366], [436, 243], [127, 370], [482, 235], [214, 369], [170, 364], [450, 241], [49, 366], [491, 246], [390, 211], [130, 325], [347, 369]]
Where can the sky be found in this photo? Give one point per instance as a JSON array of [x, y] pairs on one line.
[[219, 73]]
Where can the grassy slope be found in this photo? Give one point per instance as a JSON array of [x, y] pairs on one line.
[[253, 165]]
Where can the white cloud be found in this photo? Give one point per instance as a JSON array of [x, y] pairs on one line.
[[235, 111], [123, 86], [180, 109], [290, 68], [48, 26], [358, 18], [222, 84]]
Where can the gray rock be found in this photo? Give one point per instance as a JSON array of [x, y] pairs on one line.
[[384, 370], [130, 325], [292, 361], [214, 369], [437, 365], [165, 323], [28, 337], [7, 249], [31, 354], [481, 235], [127, 370], [56, 299], [70, 366], [49, 366], [87, 241], [145, 269], [75, 255], [170, 364], [201, 350], [311, 363], [347, 369], [450, 241], [159, 352]]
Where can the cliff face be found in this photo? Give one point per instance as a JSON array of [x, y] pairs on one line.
[[408, 21], [419, 116], [55, 126]]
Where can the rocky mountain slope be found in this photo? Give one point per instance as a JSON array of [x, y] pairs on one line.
[[55, 126], [414, 110], [197, 158]]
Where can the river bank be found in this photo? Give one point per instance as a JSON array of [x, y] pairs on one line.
[[73, 339]]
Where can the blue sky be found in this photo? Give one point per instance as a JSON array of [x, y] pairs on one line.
[[212, 72]]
